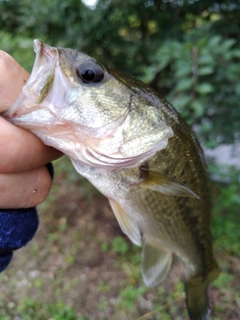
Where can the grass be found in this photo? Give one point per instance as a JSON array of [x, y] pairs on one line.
[[81, 267]]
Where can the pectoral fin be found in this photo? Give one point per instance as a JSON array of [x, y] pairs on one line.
[[128, 226], [159, 182], [156, 263]]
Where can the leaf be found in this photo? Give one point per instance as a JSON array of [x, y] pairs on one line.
[[204, 71], [236, 53], [184, 84], [206, 59], [184, 71], [181, 102], [237, 89], [198, 108], [149, 74], [214, 41], [227, 44], [205, 88]]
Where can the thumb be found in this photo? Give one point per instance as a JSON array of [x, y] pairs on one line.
[[12, 78]]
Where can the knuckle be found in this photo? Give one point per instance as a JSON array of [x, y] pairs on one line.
[[40, 188]]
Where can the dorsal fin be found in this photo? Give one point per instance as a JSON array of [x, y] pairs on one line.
[[160, 182], [128, 226], [156, 262]]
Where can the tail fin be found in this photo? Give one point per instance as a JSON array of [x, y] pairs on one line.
[[197, 295], [197, 300]]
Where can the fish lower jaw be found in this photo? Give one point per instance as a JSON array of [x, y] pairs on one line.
[[120, 159]]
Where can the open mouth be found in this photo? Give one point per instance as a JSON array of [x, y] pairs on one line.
[[45, 56], [39, 83]]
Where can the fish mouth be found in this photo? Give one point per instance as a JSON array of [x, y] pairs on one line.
[[38, 105], [118, 161], [46, 59], [43, 50], [38, 85]]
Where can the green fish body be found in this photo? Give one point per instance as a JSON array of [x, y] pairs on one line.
[[136, 149]]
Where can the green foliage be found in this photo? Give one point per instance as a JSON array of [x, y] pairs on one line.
[[129, 296], [201, 74], [30, 309], [15, 46], [119, 245], [223, 280], [226, 217]]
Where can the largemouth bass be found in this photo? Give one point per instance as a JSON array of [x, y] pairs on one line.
[[136, 149]]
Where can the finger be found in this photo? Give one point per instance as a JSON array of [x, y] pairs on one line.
[[20, 150], [13, 78], [35, 186]]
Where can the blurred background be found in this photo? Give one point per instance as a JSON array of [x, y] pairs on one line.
[[80, 266]]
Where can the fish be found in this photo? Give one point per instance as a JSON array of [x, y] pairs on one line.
[[137, 150]]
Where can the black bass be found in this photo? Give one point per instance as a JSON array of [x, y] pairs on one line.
[[137, 150]]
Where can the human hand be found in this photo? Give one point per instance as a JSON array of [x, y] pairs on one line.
[[24, 178]]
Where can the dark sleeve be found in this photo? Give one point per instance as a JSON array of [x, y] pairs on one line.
[[17, 227]]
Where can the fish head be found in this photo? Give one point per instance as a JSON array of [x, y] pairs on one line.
[[75, 104]]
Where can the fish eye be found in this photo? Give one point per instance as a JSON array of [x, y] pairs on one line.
[[90, 72]]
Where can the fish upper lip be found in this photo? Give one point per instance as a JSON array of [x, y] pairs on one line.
[[37, 45], [43, 49], [43, 52]]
